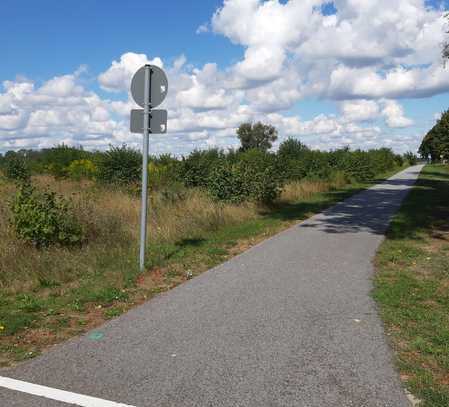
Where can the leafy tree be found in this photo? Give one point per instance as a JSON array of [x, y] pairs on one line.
[[258, 135], [436, 142]]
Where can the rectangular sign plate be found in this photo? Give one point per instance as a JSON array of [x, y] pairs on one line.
[[158, 121]]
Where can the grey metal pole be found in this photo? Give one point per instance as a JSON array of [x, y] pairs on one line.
[[146, 135]]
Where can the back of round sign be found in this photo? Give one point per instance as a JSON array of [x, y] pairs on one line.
[[158, 87]]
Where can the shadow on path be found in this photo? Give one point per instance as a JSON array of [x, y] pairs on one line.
[[368, 211]]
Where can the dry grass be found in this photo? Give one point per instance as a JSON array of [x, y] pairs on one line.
[[306, 189], [111, 218]]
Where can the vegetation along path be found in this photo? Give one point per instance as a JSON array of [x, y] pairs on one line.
[[289, 322]]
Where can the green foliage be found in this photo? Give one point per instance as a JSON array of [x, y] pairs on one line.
[[80, 169], [119, 165], [56, 160], [258, 135], [436, 142], [291, 149], [226, 184], [16, 168], [44, 219], [411, 158], [195, 169], [160, 176], [253, 177], [399, 160]]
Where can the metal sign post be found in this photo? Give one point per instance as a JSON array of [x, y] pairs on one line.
[[149, 87]]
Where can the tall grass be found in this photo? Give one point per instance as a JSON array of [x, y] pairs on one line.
[[306, 188], [111, 217]]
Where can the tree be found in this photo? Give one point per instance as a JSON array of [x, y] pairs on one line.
[[258, 135], [436, 141]]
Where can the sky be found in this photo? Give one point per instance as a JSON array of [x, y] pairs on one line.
[[357, 73]]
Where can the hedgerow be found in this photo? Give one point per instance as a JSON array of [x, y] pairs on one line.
[[235, 175]]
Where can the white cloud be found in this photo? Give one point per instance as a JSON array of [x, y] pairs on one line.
[[364, 58], [118, 76], [360, 110], [398, 82], [394, 115]]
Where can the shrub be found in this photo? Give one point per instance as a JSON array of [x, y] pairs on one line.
[[57, 170], [120, 165], [79, 169], [16, 169], [161, 175], [382, 160], [291, 149], [411, 158], [56, 160], [195, 169], [254, 177], [360, 166], [399, 161], [43, 219], [226, 184]]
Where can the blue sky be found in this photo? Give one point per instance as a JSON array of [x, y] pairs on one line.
[[344, 90], [50, 37]]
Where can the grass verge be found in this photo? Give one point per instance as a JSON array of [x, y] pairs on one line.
[[412, 287], [49, 295]]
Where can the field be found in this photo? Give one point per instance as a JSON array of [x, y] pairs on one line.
[[50, 294], [412, 287]]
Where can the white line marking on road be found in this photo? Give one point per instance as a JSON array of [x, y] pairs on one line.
[[58, 395]]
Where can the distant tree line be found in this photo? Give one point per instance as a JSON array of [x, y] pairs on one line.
[[252, 172]]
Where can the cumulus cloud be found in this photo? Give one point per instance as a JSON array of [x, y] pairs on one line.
[[360, 110], [364, 58], [394, 115], [60, 110], [118, 76]]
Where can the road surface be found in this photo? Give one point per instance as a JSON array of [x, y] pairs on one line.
[[289, 322]]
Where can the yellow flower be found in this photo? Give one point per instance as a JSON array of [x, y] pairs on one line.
[[2, 327]]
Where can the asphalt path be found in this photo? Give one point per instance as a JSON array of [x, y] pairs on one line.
[[289, 322]]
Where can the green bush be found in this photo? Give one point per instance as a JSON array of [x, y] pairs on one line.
[[56, 160], [399, 160], [120, 165], [44, 219], [57, 170], [194, 170], [16, 169], [291, 149], [411, 158], [254, 177], [80, 169], [226, 184], [360, 167], [160, 175]]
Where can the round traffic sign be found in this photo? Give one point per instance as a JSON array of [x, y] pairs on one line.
[[158, 86]]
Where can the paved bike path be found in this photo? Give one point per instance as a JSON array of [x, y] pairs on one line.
[[289, 322]]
